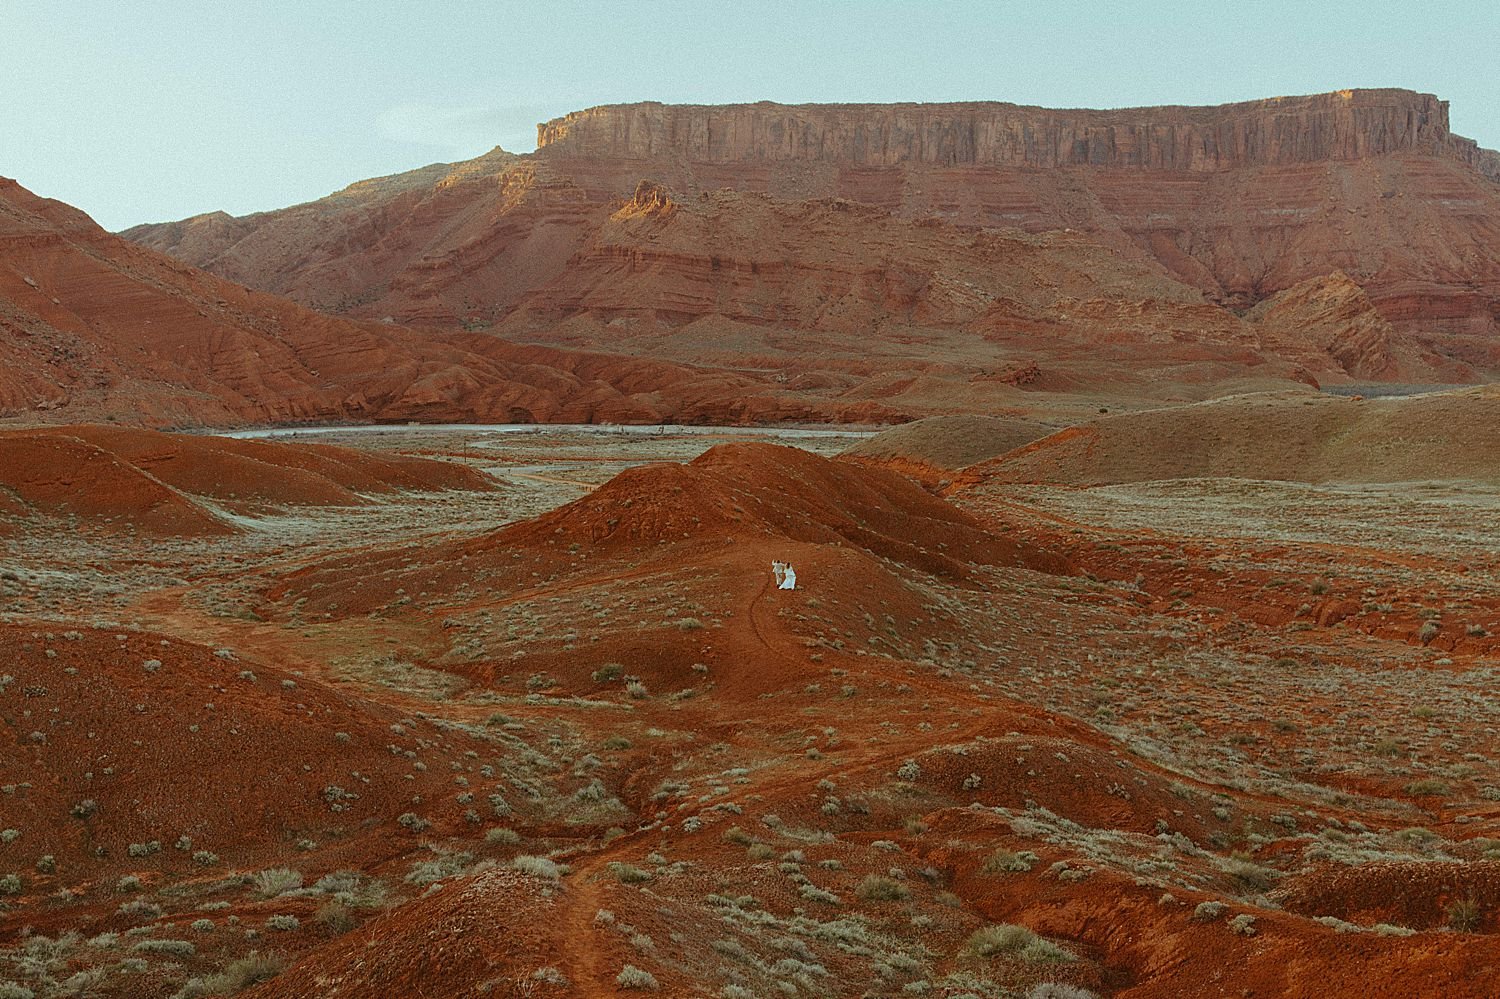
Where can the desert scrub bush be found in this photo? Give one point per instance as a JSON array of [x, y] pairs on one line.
[[283, 922], [202, 925], [608, 672], [1463, 915], [637, 690], [1243, 924], [813, 893], [1429, 631], [237, 975], [876, 888], [1059, 990], [1205, 911], [15, 990], [1427, 787], [205, 858], [1004, 861], [689, 624], [276, 881], [444, 865], [537, 867], [412, 822], [144, 849], [140, 909], [631, 977], [335, 916], [629, 874], [10, 884], [502, 836], [1008, 939], [170, 948], [909, 771], [1248, 875]]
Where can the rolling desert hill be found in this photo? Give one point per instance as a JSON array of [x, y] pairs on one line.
[[1272, 437], [932, 449], [129, 479], [1237, 203]]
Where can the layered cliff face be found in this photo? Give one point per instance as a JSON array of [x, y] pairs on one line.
[[1239, 202], [1349, 124], [92, 326]]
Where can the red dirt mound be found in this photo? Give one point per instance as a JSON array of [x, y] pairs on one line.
[[274, 473], [144, 480], [61, 475], [112, 739], [735, 497], [485, 935]]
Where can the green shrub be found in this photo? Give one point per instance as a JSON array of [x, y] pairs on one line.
[[631, 977], [1004, 861], [537, 867], [629, 874], [276, 881], [1464, 914], [1010, 940], [171, 948], [881, 889]]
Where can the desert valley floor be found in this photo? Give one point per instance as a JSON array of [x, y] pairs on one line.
[[1109, 709]]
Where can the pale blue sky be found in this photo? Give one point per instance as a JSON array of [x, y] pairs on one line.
[[148, 110]]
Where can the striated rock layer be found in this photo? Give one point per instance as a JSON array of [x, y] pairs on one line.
[[1240, 201], [1349, 124], [93, 326]]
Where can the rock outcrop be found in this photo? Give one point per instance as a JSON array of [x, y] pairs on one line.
[[1346, 125], [1332, 317]]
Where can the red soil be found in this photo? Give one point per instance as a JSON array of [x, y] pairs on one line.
[[168, 738], [61, 475], [122, 478], [746, 503]]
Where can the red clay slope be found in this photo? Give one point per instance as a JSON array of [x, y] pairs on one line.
[[122, 478], [64, 476], [95, 325], [113, 739]]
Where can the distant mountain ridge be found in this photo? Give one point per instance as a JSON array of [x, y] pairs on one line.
[[1240, 202]]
